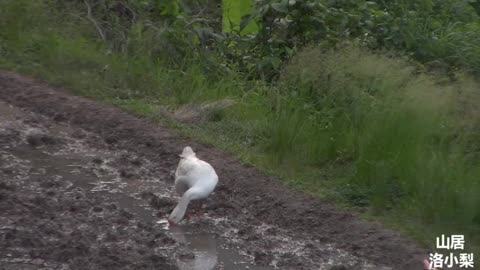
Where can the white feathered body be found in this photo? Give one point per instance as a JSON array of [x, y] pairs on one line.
[[194, 179], [193, 172]]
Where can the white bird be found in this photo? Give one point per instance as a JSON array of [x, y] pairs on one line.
[[194, 179]]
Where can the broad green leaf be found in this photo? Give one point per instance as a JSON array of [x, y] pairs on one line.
[[246, 20], [233, 12]]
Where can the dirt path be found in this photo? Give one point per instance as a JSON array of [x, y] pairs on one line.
[[88, 186]]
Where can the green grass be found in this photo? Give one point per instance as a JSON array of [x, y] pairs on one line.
[[365, 130]]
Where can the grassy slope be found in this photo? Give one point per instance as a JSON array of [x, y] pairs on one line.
[[365, 134]]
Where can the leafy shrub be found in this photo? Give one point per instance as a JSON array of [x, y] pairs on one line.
[[432, 31]]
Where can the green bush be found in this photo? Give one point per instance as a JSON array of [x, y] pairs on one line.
[[407, 136], [438, 33]]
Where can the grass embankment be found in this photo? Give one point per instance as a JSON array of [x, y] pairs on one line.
[[363, 129]]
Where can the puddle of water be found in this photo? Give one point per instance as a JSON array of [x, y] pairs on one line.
[[209, 251]]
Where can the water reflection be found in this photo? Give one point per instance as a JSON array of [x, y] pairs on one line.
[[203, 247]]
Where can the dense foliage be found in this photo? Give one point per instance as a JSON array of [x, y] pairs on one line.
[[441, 34], [445, 32]]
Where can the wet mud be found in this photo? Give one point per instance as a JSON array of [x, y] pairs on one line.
[[87, 186]]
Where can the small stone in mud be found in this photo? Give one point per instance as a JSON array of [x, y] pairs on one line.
[[243, 231], [79, 134], [324, 239], [186, 256], [39, 201], [144, 226], [136, 162], [111, 140], [262, 258], [157, 259], [126, 214], [7, 170], [36, 140], [157, 202], [29, 121], [37, 261], [110, 237], [272, 231], [112, 207], [151, 243], [59, 117], [50, 184], [146, 194], [355, 247], [164, 239], [126, 174], [252, 237], [97, 160], [5, 186]]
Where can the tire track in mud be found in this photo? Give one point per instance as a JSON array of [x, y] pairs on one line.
[[249, 212]]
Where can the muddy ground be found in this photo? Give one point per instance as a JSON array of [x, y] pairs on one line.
[[87, 186]]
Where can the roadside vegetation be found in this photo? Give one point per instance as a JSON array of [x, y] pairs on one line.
[[372, 104]]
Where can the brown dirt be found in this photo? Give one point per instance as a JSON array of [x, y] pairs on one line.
[[40, 217]]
